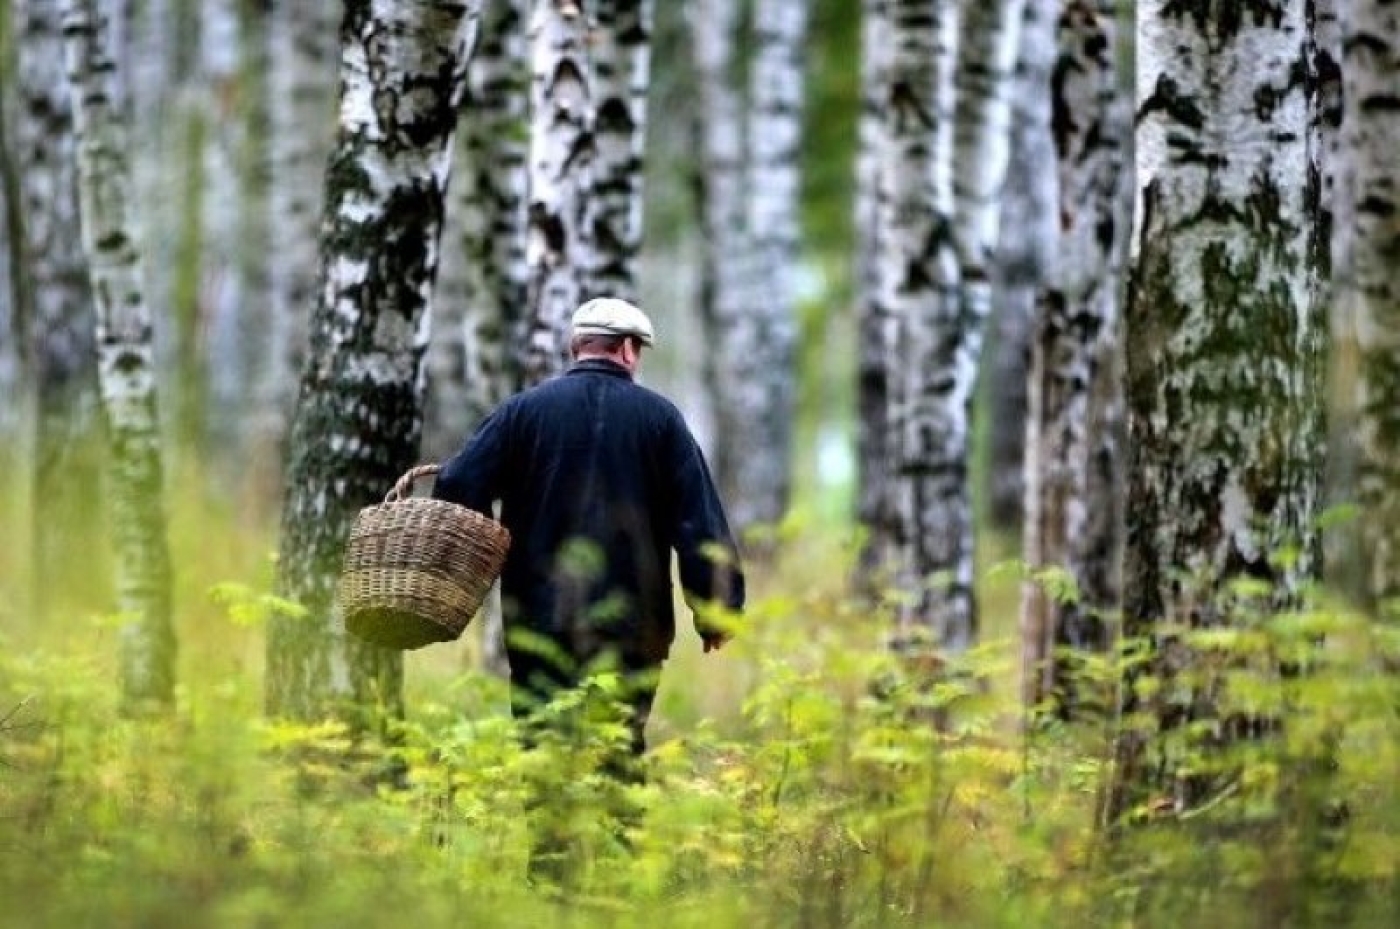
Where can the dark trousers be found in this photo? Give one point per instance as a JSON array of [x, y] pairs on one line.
[[535, 680]]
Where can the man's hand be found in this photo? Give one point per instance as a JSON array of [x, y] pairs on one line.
[[714, 642]]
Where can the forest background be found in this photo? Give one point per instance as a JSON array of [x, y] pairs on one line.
[[798, 777]]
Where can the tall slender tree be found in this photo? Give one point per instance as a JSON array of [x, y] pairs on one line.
[[13, 290], [1373, 115], [1027, 237], [60, 300], [621, 56], [933, 371], [126, 360], [749, 139], [874, 322], [301, 116], [359, 413], [478, 303], [481, 288], [1073, 350], [562, 152], [1224, 349]]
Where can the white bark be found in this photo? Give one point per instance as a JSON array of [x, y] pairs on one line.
[[481, 286], [986, 66], [761, 458], [1027, 237], [359, 414], [1373, 115], [621, 54], [57, 297], [1073, 350], [126, 361], [301, 101], [221, 299], [562, 152], [933, 369], [1224, 345], [874, 323], [729, 330]]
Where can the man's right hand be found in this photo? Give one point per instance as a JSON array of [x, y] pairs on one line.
[[714, 642]]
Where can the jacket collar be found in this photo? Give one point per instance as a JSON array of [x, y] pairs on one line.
[[599, 366]]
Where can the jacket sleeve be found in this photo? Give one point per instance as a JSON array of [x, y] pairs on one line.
[[710, 568], [472, 477]]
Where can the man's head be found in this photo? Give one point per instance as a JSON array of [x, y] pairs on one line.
[[606, 327]]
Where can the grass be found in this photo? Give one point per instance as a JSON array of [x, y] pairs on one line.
[[781, 791]]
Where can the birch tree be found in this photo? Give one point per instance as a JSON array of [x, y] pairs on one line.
[[1028, 227], [1028, 230], [301, 115], [63, 354], [1224, 340], [621, 56], [1373, 115], [1076, 336], [13, 290], [359, 414], [874, 320], [481, 288], [933, 370], [749, 139], [126, 362], [562, 152], [479, 301]]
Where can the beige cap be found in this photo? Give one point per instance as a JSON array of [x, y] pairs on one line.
[[611, 316]]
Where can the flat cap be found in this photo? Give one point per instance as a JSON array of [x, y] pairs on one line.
[[611, 316]]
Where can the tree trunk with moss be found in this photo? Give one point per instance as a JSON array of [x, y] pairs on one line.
[[59, 300], [1373, 113], [1224, 340], [1074, 349], [359, 413], [126, 358]]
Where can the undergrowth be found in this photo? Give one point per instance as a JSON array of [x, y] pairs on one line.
[[793, 780]]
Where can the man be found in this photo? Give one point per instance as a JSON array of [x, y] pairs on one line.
[[599, 480]]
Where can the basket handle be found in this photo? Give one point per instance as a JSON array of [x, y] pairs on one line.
[[403, 487]]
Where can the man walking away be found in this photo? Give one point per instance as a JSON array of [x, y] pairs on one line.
[[599, 479]]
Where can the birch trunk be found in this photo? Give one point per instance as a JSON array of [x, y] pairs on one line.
[[729, 330], [63, 354], [14, 296], [220, 297], [481, 287], [1224, 347], [477, 305], [621, 52], [301, 116], [933, 363], [126, 362], [1373, 112], [1026, 242], [1073, 351], [874, 323], [761, 455], [359, 413], [562, 153]]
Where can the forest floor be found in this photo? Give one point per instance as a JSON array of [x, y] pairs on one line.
[[781, 789]]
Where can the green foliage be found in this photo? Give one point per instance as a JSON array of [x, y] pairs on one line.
[[794, 779]]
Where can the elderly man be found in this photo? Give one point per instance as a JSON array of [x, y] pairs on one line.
[[599, 480]]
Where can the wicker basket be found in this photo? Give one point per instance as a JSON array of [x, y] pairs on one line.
[[416, 569]]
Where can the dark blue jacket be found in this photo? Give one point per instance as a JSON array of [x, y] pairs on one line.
[[599, 480]]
